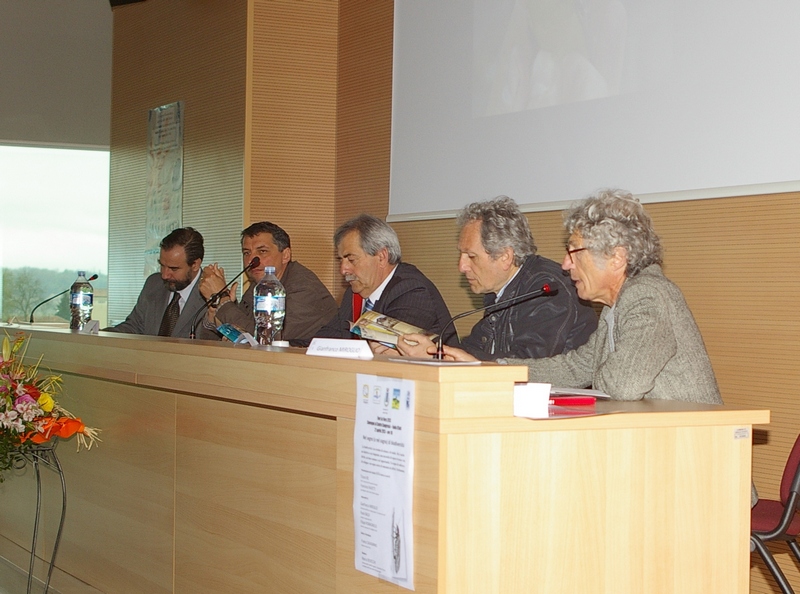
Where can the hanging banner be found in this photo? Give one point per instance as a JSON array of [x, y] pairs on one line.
[[383, 477], [164, 205]]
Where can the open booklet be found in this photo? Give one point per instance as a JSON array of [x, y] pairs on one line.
[[377, 326]]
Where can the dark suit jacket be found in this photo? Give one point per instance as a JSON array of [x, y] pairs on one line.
[[149, 309], [409, 297], [309, 305], [539, 327]]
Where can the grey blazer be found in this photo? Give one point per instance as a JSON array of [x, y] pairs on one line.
[[149, 309], [657, 351]]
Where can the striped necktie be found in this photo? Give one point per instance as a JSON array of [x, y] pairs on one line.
[[368, 305], [170, 316]]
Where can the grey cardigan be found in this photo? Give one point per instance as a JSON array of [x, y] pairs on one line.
[[658, 351]]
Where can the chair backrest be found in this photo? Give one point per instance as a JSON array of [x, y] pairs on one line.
[[790, 471]]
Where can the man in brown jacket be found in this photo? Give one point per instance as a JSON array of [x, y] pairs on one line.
[[309, 304]]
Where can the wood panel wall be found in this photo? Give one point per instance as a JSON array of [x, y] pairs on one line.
[[320, 120], [364, 111], [291, 167], [167, 51], [287, 119]]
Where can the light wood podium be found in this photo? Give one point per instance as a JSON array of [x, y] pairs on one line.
[[229, 469]]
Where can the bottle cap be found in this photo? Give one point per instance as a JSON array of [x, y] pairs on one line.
[[81, 273], [269, 270]]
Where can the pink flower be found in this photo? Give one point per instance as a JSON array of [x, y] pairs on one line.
[[28, 408]]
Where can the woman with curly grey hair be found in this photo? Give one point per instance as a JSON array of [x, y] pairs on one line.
[[647, 344], [614, 218]]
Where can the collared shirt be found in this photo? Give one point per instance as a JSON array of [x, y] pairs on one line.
[[184, 293], [503, 288], [376, 294]]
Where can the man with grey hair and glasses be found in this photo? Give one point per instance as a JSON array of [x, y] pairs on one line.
[[498, 259], [647, 344], [369, 254]]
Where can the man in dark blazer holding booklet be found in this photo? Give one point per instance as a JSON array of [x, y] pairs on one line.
[[369, 253]]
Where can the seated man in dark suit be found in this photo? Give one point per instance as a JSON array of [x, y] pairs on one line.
[[499, 260], [170, 299], [369, 254], [309, 304]]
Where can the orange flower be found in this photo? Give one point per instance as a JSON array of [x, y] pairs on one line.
[[61, 427]]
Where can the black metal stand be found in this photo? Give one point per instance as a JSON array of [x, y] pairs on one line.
[[44, 455]]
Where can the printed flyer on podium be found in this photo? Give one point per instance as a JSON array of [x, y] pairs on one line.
[[383, 476]]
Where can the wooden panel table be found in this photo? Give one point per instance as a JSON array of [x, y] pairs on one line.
[[229, 469]]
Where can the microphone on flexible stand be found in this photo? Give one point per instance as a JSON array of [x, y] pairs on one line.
[[545, 290], [215, 297], [91, 278]]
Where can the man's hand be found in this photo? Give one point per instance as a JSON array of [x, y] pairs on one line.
[[212, 281], [211, 316], [419, 345], [416, 345], [454, 354], [381, 349]]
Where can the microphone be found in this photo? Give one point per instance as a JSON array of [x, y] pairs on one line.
[[545, 290], [91, 278], [215, 297]]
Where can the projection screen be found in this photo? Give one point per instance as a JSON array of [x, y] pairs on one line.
[[547, 100]]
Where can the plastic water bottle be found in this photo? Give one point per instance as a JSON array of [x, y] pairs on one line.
[[81, 301], [269, 307]]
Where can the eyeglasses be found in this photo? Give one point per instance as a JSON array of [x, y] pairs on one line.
[[573, 251]]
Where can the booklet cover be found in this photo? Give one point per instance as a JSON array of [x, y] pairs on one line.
[[377, 326]]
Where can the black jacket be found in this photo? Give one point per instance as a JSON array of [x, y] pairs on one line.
[[534, 328]]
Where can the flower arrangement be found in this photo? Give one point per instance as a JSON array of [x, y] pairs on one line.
[[29, 413]]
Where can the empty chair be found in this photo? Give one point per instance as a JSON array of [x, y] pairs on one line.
[[772, 520]]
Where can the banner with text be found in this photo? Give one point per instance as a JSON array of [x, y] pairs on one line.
[[383, 476]]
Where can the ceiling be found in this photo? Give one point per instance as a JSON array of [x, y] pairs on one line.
[[55, 72]]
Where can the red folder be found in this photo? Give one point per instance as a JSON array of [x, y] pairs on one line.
[[566, 400]]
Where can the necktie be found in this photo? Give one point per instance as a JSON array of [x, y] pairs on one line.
[[170, 316], [368, 305]]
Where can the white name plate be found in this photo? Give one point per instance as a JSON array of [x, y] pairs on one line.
[[342, 348], [531, 400]]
